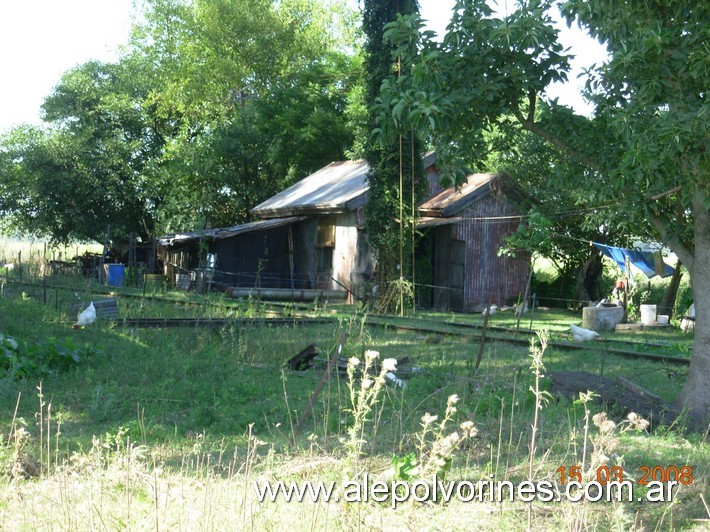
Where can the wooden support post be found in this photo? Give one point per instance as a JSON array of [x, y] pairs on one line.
[[152, 265], [523, 303], [533, 302], [482, 345], [331, 364], [290, 254]]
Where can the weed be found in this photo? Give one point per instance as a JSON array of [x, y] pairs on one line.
[[214, 415], [363, 397]]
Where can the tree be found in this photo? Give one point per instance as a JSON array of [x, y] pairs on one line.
[[259, 91], [265, 145], [558, 219], [214, 106], [393, 157], [645, 147], [91, 169]]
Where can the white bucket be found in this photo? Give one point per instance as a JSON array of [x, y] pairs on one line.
[[662, 319], [648, 314]]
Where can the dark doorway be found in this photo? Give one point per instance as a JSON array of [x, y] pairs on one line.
[[457, 269]]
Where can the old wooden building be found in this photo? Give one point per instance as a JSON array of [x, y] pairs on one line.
[[466, 229], [332, 252], [310, 239], [255, 254]]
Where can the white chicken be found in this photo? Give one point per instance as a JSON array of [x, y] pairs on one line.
[[581, 334], [687, 322], [490, 310], [521, 308], [87, 316]]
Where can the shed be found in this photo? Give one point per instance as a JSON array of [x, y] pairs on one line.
[[259, 253], [466, 227], [333, 251], [311, 236]]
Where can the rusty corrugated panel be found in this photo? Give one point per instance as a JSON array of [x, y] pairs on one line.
[[228, 232], [452, 200], [428, 221], [335, 188], [502, 279]]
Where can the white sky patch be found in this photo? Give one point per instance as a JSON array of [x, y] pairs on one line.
[[42, 39]]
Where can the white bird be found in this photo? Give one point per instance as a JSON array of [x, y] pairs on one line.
[[87, 316], [490, 310], [687, 322], [521, 308], [582, 335]]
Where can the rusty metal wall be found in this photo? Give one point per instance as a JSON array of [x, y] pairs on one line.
[[500, 279], [442, 240]]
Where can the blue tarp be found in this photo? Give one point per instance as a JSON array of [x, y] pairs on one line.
[[649, 263]]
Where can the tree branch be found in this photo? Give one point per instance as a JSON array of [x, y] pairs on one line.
[[533, 127], [685, 254]]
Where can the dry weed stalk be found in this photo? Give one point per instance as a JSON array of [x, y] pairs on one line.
[[363, 397], [541, 399]]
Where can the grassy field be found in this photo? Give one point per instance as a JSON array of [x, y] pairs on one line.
[[170, 428]]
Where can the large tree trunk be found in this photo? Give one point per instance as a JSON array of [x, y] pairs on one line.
[[588, 277], [696, 392], [669, 296]]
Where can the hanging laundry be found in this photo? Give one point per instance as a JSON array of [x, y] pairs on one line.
[[643, 260]]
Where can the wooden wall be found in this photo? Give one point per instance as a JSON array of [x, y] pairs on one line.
[[487, 276]]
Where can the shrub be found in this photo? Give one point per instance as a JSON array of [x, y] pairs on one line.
[[26, 359]]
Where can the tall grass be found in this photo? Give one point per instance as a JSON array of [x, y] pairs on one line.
[[167, 429]]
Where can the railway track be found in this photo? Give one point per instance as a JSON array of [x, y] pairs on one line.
[[416, 325], [169, 323], [381, 322], [673, 359]]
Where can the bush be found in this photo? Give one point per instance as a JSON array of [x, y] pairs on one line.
[[23, 359]]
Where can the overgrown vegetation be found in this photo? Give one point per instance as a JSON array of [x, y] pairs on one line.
[[169, 428]]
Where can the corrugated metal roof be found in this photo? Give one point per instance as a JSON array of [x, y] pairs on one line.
[[227, 232], [452, 200], [339, 186]]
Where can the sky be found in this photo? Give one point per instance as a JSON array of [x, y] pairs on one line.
[[42, 39]]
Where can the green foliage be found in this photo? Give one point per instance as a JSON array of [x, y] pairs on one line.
[[91, 167], [405, 467], [213, 107], [22, 360], [396, 172], [644, 150]]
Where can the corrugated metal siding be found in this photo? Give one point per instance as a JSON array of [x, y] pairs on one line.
[[442, 253], [331, 189], [304, 252], [254, 259], [502, 279]]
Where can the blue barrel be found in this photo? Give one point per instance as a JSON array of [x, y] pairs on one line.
[[115, 274]]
